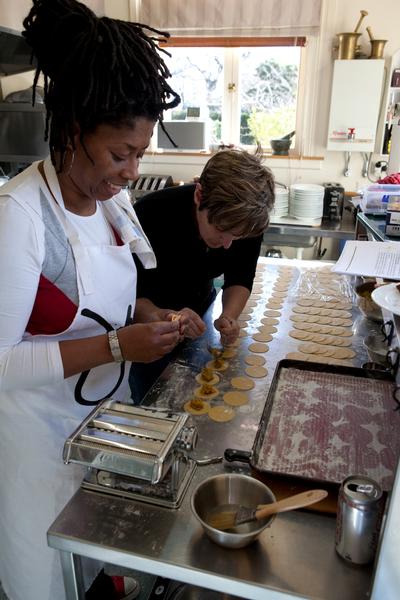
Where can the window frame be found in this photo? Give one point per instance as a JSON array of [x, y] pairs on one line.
[[230, 127]]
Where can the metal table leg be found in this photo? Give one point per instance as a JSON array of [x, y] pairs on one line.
[[72, 574]]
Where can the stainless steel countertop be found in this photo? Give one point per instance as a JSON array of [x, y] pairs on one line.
[[174, 386], [341, 230], [293, 558]]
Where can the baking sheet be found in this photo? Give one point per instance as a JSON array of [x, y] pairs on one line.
[[325, 423]]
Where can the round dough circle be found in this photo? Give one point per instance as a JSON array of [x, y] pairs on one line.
[[269, 321], [242, 383], [273, 305], [272, 313], [258, 347], [243, 333], [250, 304], [222, 414], [254, 360], [267, 329], [262, 337], [212, 381], [223, 367], [256, 371], [280, 287], [204, 410], [235, 398], [199, 394]]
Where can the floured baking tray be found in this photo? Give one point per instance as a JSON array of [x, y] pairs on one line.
[[324, 423]]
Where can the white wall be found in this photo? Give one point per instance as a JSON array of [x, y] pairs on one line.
[[338, 16]]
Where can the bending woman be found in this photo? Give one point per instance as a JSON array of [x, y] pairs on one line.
[[68, 280]]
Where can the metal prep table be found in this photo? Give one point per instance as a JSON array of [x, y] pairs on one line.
[[340, 230], [294, 558], [289, 232]]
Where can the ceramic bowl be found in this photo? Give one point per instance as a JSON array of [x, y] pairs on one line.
[[280, 147]]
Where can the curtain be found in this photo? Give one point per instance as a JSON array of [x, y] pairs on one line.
[[230, 17]]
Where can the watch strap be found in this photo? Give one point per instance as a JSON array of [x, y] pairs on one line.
[[115, 348]]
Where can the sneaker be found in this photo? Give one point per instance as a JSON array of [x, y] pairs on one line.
[[125, 588]]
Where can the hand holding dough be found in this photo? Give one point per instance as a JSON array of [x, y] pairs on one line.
[[191, 324], [228, 328]]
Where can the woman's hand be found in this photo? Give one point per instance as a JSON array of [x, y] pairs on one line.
[[228, 328], [146, 342], [191, 325]]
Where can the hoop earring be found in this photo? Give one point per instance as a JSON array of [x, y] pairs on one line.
[[71, 162]]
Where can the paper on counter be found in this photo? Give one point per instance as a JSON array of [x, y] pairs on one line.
[[370, 259]]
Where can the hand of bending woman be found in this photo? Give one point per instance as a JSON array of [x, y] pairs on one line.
[[228, 328]]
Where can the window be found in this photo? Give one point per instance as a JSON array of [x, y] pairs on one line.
[[246, 93]]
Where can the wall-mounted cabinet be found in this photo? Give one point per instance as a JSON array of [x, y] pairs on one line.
[[355, 105], [390, 112]]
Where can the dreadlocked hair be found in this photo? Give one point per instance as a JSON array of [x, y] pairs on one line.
[[96, 70]]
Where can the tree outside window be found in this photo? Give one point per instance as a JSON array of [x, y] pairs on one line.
[[264, 83]]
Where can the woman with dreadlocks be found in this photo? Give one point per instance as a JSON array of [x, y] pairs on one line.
[[68, 280]]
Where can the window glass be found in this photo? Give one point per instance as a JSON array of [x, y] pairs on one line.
[[264, 82], [268, 86], [198, 77]]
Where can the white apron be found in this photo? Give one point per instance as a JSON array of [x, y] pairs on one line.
[[36, 423]]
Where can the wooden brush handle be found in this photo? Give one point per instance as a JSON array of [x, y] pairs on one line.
[[290, 503]]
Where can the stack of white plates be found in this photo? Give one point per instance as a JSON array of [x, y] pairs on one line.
[[306, 202], [281, 206]]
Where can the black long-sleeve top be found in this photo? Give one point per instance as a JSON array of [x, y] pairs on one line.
[[186, 267]]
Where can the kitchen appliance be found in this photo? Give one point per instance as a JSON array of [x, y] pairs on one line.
[[333, 201], [149, 183], [15, 53], [186, 135], [135, 452]]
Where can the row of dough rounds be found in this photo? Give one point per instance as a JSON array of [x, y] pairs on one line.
[[323, 320], [255, 362]]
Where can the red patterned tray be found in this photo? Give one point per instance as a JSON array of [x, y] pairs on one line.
[[328, 425]]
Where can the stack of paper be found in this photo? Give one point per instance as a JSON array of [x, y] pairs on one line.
[[370, 259]]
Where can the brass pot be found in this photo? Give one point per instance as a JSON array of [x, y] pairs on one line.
[[377, 47], [347, 45]]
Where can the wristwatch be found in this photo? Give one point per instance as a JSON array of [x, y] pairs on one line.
[[115, 348]]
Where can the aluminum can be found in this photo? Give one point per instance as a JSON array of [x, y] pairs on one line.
[[359, 518]]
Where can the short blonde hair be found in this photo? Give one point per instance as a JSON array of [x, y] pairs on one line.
[[238, 192]]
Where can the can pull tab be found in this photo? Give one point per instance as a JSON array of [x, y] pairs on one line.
[[364, 488]]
